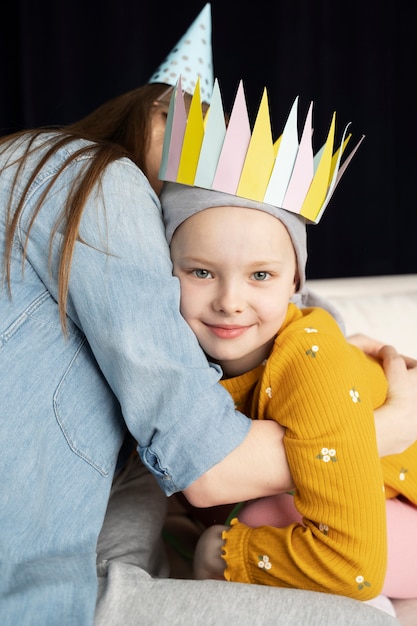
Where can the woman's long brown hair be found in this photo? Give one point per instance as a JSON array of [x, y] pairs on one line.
[[119, 128]]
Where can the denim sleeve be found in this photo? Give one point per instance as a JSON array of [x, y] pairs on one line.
[[124, 298]]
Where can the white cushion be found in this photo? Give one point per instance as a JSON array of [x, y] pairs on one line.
[[383, 307]]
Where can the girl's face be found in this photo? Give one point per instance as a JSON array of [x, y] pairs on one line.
[[237, 269]]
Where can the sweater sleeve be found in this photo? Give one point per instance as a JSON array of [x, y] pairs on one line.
[[400, 474], [314, 385]]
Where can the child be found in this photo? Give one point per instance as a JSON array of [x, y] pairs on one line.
[[240, 262]]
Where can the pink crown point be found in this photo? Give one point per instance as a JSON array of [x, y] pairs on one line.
[[342, 169], [193, 138], [259, 159], [337, 156], [317, 192], [235, 146], [214, 134], [174, 135], [339, 170], [168, 145], [303, 170], [284, 162]]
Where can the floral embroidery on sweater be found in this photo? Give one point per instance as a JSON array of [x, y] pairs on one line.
[[403, 472], [312, 351], [327, 454], [354, 395], [264, 562], [362, 582]]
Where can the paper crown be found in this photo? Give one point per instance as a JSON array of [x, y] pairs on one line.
[[203, 152], [191, 58]]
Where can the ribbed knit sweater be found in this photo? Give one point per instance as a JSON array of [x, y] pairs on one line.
[[323, 390]]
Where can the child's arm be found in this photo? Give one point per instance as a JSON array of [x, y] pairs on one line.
[[315, 386]]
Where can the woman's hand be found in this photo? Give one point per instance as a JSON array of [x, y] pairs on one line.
[[208, 562], [396, 420]]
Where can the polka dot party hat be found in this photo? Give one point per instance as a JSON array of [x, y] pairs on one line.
[[191, 59]]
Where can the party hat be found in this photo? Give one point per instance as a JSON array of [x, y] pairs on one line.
[[191, 59], [202, 152]]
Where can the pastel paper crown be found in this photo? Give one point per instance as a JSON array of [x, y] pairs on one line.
[[203, 152], [191, 58]]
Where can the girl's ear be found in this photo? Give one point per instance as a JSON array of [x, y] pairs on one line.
[[296, 283]]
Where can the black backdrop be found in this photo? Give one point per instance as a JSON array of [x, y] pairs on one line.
[[61, 59]]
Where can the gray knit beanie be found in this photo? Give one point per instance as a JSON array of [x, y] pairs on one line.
[[179, 202]]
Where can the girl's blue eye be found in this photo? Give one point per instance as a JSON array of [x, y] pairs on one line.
[[260, 275], [201, 273]]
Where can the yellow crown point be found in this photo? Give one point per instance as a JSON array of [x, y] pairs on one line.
[[193, 138], [320, 183], [260, 156], [277, 144]]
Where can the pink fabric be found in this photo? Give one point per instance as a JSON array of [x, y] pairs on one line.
[[276, 511], [401, 578]]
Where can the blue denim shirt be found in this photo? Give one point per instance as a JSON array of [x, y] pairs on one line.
[[129, 362]]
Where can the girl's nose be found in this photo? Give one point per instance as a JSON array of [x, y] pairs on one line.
[[229, 299]]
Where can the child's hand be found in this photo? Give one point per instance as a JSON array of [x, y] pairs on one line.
[[208, 562]]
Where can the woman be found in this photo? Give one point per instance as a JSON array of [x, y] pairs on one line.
[[94, 347]]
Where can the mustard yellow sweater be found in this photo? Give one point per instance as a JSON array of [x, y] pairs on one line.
[[323, 390]]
